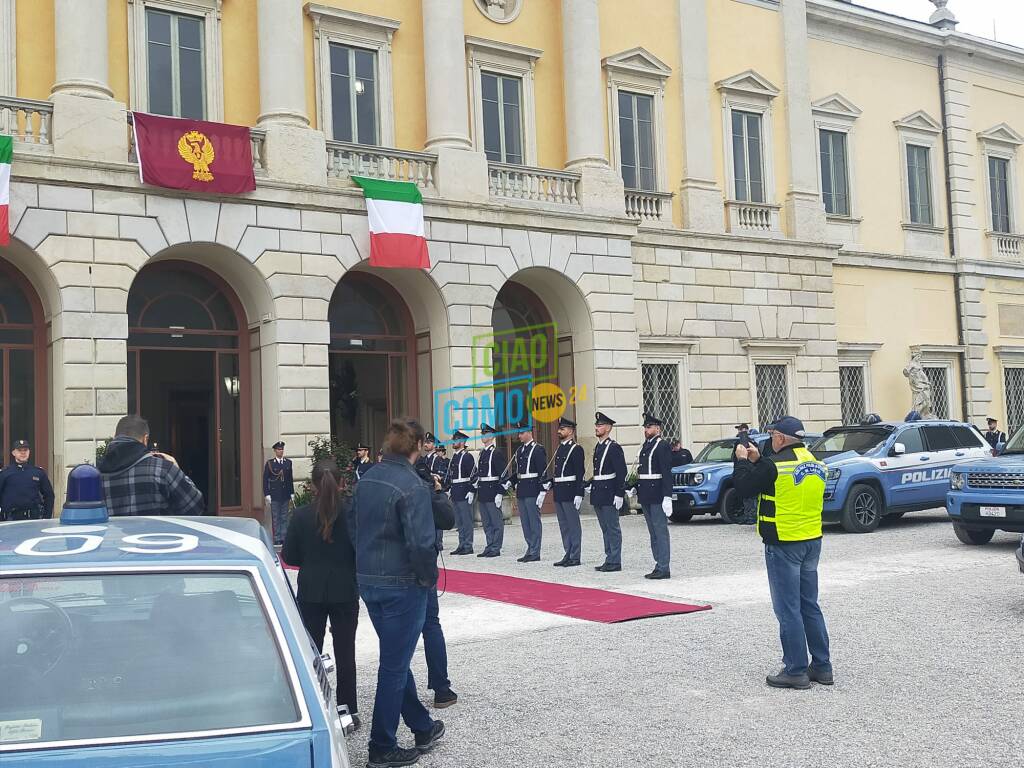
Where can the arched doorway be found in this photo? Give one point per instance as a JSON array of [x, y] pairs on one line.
[[188, 375], [375, 360], [23, 381], [520, 315]]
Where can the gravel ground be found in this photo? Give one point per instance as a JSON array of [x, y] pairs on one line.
[[927, 644]]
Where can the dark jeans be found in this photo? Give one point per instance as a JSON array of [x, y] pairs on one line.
[[397, 613], [344, 620], [434, 647], [793, 580]]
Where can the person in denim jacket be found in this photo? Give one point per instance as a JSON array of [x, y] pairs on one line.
[[396, 567]]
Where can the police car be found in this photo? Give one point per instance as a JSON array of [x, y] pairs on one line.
[[156, 642], [887, 469], [705, 486], [987, 495]]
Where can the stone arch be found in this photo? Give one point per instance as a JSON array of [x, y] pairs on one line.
[[34, 268]]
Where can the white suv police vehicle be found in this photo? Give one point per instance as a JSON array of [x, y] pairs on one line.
[[891, 468]]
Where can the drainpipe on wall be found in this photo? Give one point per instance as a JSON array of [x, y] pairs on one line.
[[961, 336]]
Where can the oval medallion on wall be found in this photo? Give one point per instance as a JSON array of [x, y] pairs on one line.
[[501, 11]]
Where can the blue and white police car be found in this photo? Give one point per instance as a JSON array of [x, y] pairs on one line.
[[141, 642], [890, 468], [705, 486], [987, 495]]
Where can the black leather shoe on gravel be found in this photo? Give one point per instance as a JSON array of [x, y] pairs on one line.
[[782, 680], [425, 740], [396, 758], [821, 676], [656, 574], [444, 699]]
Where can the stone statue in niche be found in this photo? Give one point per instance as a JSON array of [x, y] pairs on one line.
[[920, 387]]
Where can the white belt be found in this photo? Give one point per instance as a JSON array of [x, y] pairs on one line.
[[565, 479], [648, 477], [529, 475], [603, 477], [488, 479], [470, 480]]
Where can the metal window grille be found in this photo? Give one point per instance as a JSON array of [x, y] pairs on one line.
[[772, 394], [1014, 380], [661, 395], [851, 393], [939, 377]]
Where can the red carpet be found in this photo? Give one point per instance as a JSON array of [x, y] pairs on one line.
[[577, 602]]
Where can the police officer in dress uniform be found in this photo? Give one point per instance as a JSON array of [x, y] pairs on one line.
[[530, 462], [608, 491], [362, 461], [993, 436], [570, 460], [430, 460], [654, 491], [25, 490], [278, 490], [491, 476], [442, 462], [460, 484]]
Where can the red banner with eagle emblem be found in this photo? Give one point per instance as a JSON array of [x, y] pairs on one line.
[[194, 154]]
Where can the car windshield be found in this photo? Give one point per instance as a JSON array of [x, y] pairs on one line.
[[718, 451], [1016, 443], [132, 654], [860, 440]]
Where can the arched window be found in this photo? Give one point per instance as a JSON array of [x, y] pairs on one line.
[[169, 307], [22, 365]]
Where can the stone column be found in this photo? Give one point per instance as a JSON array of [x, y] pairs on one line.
[[293, 151], [601, 188], [87, 122], [804, 210], [701, 198], [461, 171]]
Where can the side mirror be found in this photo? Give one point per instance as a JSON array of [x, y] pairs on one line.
[[898, 449]]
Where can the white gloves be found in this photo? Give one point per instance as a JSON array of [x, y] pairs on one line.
[[577, 502], [666, 506], [497, 501], [470, 497], [617, 503], [267, 499], [540, 498]]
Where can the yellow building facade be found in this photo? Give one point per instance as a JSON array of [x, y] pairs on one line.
[[727, 208]]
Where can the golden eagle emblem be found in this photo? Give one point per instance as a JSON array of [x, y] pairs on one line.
[[195, 148]]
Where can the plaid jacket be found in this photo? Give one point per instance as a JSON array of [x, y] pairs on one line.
[[149, 485]]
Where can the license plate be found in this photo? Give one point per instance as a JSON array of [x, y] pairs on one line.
[[993, 511], [675, 497]]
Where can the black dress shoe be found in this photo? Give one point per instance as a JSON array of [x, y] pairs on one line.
[[562, 563], [656, 574], [529, 559], [485, 553], [602, 567], [462, 552], [611, 568], [490, 554], [571, 563]]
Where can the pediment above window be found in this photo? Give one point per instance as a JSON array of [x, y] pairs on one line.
[[836, 105], [749, 84], [920, 121], [637, 61], [1001, 134]]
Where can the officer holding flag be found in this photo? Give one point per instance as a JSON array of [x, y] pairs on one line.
[[608, 491]]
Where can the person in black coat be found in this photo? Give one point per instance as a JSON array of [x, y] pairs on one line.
[[319, 544]]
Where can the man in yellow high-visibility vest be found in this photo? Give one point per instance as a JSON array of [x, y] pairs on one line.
[[790, 487]]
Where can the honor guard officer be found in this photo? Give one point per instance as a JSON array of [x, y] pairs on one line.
[[994, 436], [491, 475], [362, 462], [608, 491], [25, 490], [570, 460], [654, 492], [441, 465], [428, 458], [530, 462], [278, 490], [460, 481]]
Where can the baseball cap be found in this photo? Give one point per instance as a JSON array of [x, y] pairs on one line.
[[788, 425]]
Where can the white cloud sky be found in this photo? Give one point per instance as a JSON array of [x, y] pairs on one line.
[[976, 17]]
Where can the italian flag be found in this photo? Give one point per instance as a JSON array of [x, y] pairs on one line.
[[6, 150], [395, 213]]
